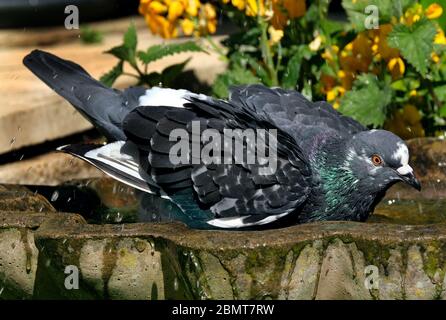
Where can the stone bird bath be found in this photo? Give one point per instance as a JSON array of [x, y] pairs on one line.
[[402, 248]]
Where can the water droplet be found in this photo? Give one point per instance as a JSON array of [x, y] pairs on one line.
[[88, 98], [54, 196], [21, 157], [118, 217], [420, 208], [175, 284], [55, 76]]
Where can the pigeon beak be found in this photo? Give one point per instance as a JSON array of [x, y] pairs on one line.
[[406, 174]]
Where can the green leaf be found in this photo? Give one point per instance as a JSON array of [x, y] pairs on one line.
[[415, 43], [440, 92], [110, 77], [442, 111], [331, 26], [120, 52], [236, 75], [291, 75], [247, 37], [170, 73], [367, 101], [157, 52], [127, 50], [292, 71], [356, 10], [260, 71], [90, 36], [130, 38], [151, 79]]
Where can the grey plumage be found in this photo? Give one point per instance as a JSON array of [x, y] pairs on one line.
[[327, 164]]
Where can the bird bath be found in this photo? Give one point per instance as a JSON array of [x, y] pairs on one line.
[[123, 252]]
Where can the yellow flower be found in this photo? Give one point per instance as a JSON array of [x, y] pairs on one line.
[[165, 17], [176, 9], [434, 11], [212, 26], [380, 46], [209, 11], [440, 38], [334, 93], [274, 35], [207, 19], [239, 4], [331, 95], [188, 26], [151, 7], [255, 7], [336, 105], [435, 58], [412, 15], [396, 67], [192, 7]]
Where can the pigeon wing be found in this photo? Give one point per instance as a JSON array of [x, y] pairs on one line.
[[236, 193], [292, 111]]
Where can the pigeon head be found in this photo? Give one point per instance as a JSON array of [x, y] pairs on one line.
[[379, 159]]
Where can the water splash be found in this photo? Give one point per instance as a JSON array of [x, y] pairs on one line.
[[118, 217], [55, 196], [175, 284]]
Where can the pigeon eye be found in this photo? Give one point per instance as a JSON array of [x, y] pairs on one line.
[[376, 160]]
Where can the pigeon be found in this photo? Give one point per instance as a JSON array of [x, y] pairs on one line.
[[297, 161]]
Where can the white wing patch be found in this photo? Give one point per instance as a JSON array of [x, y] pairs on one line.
[[157, 96], [239, 222], [123, 158]]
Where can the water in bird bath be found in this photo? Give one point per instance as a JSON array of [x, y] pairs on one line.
[[413, 212], [105, 201]]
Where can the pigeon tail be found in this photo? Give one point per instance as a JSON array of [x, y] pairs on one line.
[[104, 107]]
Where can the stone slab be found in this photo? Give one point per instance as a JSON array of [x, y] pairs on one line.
[[31, 113]]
